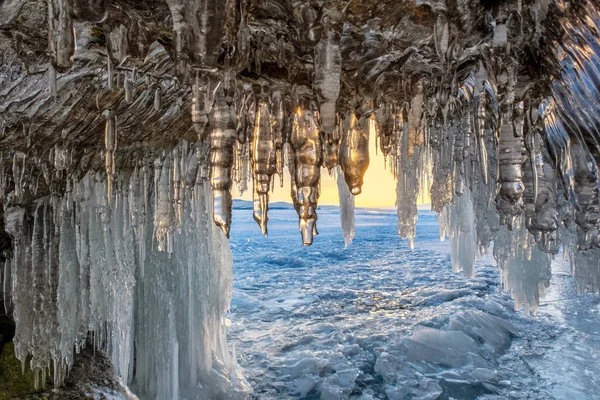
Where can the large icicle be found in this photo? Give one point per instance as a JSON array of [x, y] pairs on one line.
[[305, 171], [407, 187], [264, 163], [328, 69], [222, 139], [416, 135], [479, 105], [510, 157], [463, 236], [525, 269], [354, 152], [346, 208]]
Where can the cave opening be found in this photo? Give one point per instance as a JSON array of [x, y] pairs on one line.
[[129, 267]]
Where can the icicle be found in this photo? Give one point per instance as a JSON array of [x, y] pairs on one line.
[[18, 170], [110, 146], [328, 69], [461, 153], [222, 139], [61, 36], [331, 145], [354, 152], [407, 188], [386, 121], [525, 270], [164, 214], [479, 103], [509, 201], [463, 237], [305, 172], [203, 99], [264, 163], [117, 44], [346, 208], [416, 135], [279, 130], [585, 175]]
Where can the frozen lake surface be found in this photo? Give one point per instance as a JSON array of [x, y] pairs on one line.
[[379, 321]]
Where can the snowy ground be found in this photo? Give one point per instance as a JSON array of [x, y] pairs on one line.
[[379, 321]]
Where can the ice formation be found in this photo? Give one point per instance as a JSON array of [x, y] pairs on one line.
[[123, 134], [346, 209], [144, 270]]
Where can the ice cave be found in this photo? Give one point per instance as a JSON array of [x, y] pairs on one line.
[[299, 199]]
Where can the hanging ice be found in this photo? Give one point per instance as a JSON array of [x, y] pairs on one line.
[[328, 69], [61, 37], [463, 237], [407, 186], [346, 208], [354, 152], [264, 162], [222, 139], [305, 171], [460, 90]]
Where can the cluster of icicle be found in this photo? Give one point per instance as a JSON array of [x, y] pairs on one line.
[[138, 264], [495, 160], [151, 273], [522, 173]]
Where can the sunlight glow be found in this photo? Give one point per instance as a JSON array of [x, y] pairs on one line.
[[379, 189]]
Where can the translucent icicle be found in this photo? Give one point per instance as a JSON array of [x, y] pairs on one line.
[[222, 139], [416, 135], [346, 208], [463, 237], [328, 69], [264, 163], [354, 152], [407, 189], [305, 172], [279, 130]]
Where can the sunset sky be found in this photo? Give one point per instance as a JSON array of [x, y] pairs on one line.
[[379, 189]]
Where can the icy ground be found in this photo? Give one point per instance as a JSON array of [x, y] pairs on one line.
[[378, 321]]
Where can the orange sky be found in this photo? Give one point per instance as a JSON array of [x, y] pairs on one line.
[[379, 188]]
